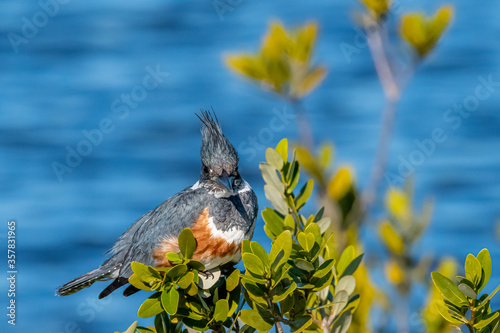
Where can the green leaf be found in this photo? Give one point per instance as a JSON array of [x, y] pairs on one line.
[[245, 246], [325, 155], [221, 310], [132, 327], [170, 300], [324, 224], [468, 291], [284, 294], [259, 251], [282, 243], [196, 324], [282, 149], [345, 259], [276, 199], [254, 319], [314, 229], [353, 266], [473, 271], [304, 264], [446, 314], [253, 263], [185, 281], [271, 177], [145, 330], [484, 259], [176, 272], [252, 287], [325, 268], [187, 243], [306, 241], [174, 257], [304, 194], [268, 232], [274, 158], [486, 321], [233, 280], [196, 265], [341, 325], [301, 324], [273, 221], [289, 223], [347, 283], [150, 307], [144, 272], [448, 289], [339, 302], [138, 283], [293, 176], [322, 283], [193, 289]]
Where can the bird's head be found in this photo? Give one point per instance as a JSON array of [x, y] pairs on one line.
[[219, 159]]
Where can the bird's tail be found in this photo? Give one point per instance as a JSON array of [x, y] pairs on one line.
[[84, 281]]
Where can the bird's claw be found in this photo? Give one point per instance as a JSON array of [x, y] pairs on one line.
[[207, 274]]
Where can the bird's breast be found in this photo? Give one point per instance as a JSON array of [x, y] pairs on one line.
[[215, 246]]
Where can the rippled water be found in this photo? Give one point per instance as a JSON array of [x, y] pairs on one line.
[[70, 75]]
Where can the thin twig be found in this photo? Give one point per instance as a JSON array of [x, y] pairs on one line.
[[391, 87], [279, 329], [382, 154], [303, 124]]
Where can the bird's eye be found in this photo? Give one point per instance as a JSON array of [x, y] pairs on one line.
[[237, 182], [205, 169]]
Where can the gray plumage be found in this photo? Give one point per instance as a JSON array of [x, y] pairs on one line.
[[230, 201]]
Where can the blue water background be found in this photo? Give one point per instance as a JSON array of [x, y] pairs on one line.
[[65, 78]]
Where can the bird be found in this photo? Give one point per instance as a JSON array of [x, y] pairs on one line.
[[220, 208]]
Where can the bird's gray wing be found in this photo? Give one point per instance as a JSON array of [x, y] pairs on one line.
[[168, 219]]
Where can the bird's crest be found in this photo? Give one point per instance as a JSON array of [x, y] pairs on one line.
[[217, 153]]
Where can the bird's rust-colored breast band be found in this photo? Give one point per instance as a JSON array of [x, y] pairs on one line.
[[208, 247]]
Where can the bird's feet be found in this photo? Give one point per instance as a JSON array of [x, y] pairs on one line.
[[206, 274]]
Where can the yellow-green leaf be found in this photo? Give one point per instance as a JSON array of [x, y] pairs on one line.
[[377, 8], [282, 149], [398, 204], [253, 263], [170, 300], [448, 289], [254, 319], [150, 307], [391, 238], [473, 271], [445, 313], [187, 243], [422, 32], [485, 259], [221, 310], [309, 82], [341, 183], [248, 65]]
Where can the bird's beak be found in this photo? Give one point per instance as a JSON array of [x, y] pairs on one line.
[[226, 180]]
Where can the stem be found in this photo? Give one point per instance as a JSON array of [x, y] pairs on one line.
[[472, 318], [403, 312], [487, 298], [391, 88], [382, 154], [303, 124], [279, 329]]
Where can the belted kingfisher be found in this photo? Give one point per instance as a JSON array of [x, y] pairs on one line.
[[220, 208]]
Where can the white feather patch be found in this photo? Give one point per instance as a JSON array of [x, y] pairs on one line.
[[233, 235]]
